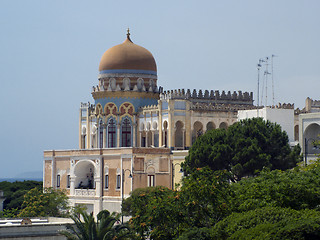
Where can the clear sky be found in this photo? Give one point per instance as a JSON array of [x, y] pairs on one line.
[[50, 53]]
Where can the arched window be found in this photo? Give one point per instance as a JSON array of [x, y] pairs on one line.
[[126, 133], [111, 134]]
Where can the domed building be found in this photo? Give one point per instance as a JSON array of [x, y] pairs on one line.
[[135, 134]]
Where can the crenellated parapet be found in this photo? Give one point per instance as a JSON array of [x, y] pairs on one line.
[[219, 107], [284, 106], [312, 105], [149, 107], [211, 96]]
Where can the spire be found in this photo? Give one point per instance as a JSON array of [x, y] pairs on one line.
[[128, 35]]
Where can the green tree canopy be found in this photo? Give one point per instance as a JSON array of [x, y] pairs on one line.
[[243, 149], [39, 203], [162, 213], [269, 223], [14, 192]]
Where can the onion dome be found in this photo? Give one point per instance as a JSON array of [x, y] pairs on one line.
[[128, 57]]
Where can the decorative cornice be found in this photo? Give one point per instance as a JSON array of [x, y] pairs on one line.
[[124, 94], [129, 75]]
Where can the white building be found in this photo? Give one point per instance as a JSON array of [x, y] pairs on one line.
[[281, 114]]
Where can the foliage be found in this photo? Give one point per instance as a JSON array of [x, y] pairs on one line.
[[9, 213], [205, 197], [196, 234], [296, 189], [269, 223], [102, 229], [155, 212], [14, 193], [50, 202], [244, 149], [161, 213]]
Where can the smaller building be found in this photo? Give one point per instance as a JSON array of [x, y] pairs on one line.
[[282, 114], [33, 228], [309, 129]]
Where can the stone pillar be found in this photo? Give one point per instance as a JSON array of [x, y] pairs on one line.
[[170, 126], [118, 134], [188, 126], [183, 137], [72, 185], [98, 186], [80, 129], [104, 136], [147, 139], [160, 122], [152, 140], [134, 134]]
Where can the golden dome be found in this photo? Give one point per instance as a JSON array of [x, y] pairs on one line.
[[128, 57]]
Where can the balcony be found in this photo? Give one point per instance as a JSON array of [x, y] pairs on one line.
[[85, 192]]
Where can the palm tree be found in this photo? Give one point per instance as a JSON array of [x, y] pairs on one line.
[[103, 229]]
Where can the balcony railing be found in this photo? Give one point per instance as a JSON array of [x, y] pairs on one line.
[[85, 192]]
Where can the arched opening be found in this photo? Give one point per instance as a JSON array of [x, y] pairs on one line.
[[296, 133], [84, 175], [179, 135], [165, 134], [311, 134], [223, 125], [112, 133], [197, 131], [210, 126], [126, 133]]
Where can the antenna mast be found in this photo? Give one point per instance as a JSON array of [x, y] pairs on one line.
[[266, 73], [258, 68], [272, 56]]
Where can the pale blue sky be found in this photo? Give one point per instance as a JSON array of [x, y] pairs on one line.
[[50, 53]]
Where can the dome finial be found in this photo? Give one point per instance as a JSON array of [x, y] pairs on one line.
[[128, 35]]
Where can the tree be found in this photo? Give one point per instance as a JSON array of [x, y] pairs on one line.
[[39, 203], [14, 193], [162, 213], [244, 149], [269, 223], [155, 211], [297, 189], [102, 229]]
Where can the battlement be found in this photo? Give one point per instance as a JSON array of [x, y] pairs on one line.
[[220, 107], [206, 95], [284, 106], [150, 107], [312, 105]]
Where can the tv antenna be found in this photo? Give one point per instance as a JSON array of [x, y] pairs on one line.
[[272, 74]]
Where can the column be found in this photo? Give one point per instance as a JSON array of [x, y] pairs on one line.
[[152, 140], [160, 122], [118, 135], [134, 134], [104, 136], [72, 185], [147, 139], [183, 133]]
